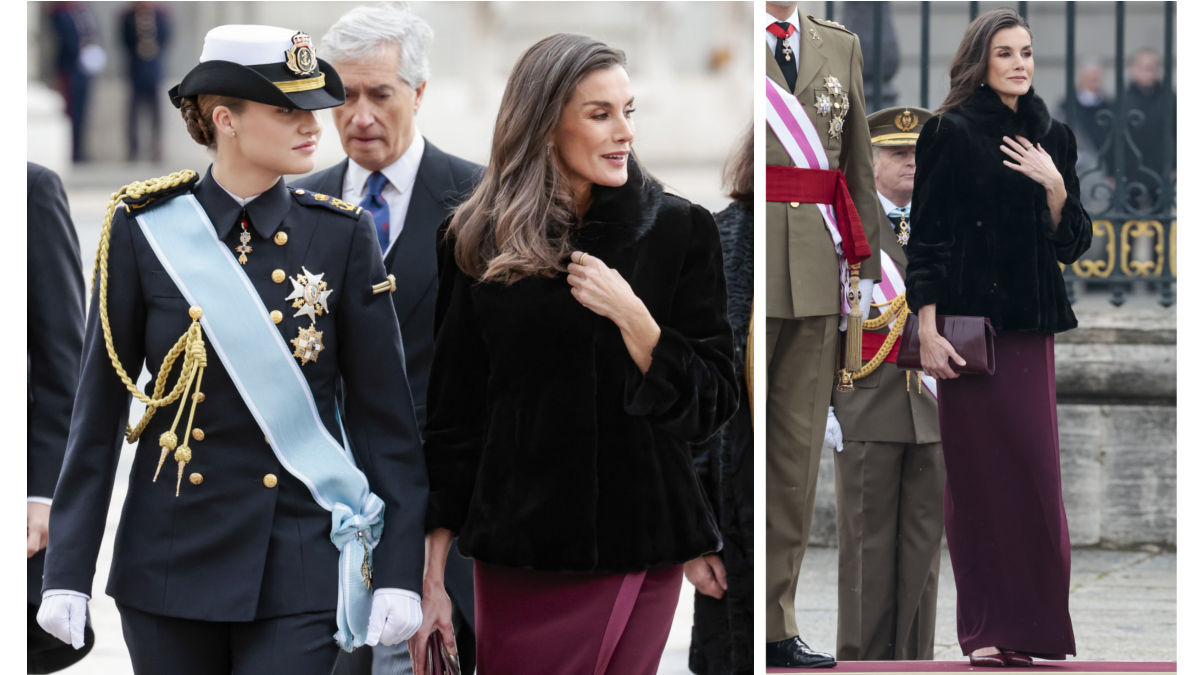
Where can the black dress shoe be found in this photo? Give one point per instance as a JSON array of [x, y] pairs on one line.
[[793, 653]]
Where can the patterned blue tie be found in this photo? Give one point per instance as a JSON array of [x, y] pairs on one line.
[[373, 201]]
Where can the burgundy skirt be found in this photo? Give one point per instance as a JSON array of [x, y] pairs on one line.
[[551, 623], [1005, 523]]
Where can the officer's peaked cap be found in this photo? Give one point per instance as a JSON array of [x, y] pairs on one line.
[[267, 64]]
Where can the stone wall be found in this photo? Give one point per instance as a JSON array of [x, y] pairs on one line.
[[1117, 422]]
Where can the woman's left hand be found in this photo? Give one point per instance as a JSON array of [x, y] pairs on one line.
[[1031, 160], [603, 290]]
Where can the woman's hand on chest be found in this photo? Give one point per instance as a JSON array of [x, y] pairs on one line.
[[1032, 161], [604, 291]]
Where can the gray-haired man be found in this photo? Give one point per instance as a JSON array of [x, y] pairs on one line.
[[381, 53]]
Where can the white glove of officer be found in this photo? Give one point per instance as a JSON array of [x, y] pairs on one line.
[[395, 616], [63, 614], [833, 432], [866, 287]]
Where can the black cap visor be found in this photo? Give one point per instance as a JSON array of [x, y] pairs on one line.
[[262, 84]]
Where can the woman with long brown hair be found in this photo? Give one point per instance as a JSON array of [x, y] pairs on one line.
[[581, 344], [995, 210]]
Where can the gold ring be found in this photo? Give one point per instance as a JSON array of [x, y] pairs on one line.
[[1029, 146], [581, 257]]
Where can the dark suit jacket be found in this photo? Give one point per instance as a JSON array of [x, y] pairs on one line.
[[443, 181], [55, 338], [236, 545]]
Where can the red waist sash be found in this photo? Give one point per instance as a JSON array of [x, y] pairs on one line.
[[821, 186], [871, 342]]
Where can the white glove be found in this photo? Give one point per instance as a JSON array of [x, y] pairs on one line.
[[63, 614], [833, 432], [395, 616], [866, 287]]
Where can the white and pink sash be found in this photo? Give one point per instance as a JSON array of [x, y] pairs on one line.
[[891, 286]]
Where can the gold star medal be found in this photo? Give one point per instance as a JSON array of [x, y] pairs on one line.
[[824, 104], [835, 103], [309, 294], [833, 86], [308, 344]]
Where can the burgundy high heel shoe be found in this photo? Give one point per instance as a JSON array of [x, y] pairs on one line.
[[1016, 659], [988, 660]]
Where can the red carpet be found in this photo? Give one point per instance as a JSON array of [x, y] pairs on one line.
[[924, 667]]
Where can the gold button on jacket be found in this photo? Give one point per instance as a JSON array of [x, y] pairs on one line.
[[196, 479], [281, 238], [276, 315], [270, 480], [278, 276]]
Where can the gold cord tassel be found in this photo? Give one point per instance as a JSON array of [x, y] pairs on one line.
[[190, 345], [854, 323], [897, 309]]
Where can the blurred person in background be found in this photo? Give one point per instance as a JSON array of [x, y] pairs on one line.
[[1090, 101], [54, 340], [79, 57], [723, 622], [581, 345], [995, 212], [145, 34], [1148, 109], [410, 186], [265, 546]]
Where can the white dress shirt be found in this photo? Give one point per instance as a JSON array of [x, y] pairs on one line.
[[401, 176], [794, 19]]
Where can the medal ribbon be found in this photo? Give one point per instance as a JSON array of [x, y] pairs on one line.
[[239, 329]]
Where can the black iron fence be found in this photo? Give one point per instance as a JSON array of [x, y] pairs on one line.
[[1127, 141]]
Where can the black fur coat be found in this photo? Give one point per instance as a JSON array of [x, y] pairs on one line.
[[547, 448], [982, 240]]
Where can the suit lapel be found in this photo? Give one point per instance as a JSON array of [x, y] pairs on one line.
[[412, 258], [810, 59], [331, 182]]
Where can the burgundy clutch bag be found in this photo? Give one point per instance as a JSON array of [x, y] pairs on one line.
[[440, 661], [971, 336]]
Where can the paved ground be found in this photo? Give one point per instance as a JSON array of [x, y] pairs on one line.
[[1122, 603]]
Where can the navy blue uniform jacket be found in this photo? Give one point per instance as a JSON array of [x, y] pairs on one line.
[[231, 548]]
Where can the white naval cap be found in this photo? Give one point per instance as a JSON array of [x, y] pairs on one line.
[[267, 64]]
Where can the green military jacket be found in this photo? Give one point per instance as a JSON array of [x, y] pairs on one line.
[[802, 267]]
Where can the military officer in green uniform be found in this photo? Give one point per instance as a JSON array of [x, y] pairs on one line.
[[814, 72], [890, 472]]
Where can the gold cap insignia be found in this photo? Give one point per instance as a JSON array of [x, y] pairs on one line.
[[906, 121], [301, 59]]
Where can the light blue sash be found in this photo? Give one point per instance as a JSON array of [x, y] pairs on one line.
[[238, 328]]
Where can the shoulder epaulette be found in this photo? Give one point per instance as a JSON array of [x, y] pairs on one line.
[[831, 24], [310, 198], [140, 194]]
